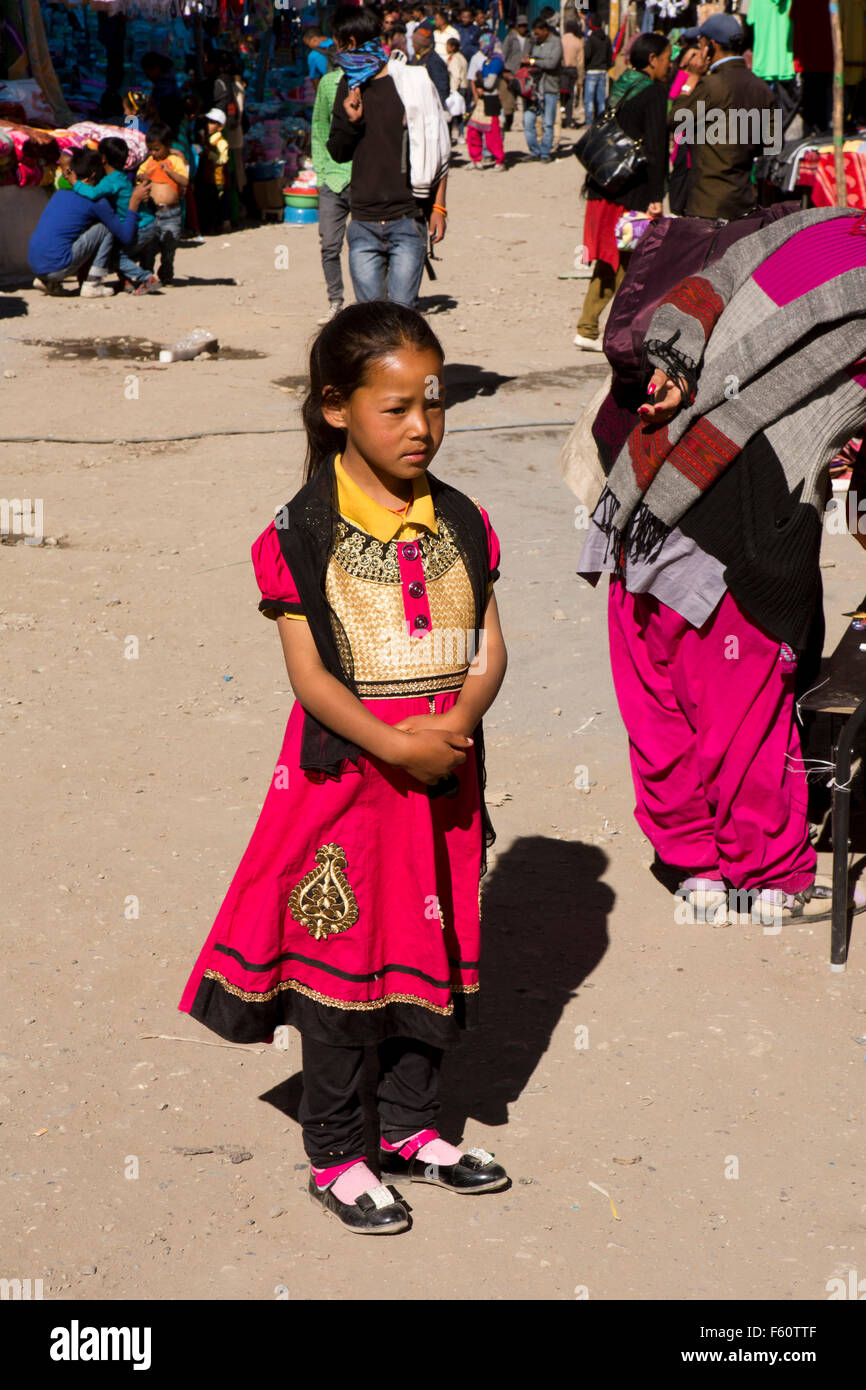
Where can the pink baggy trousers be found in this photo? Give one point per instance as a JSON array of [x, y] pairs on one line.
[[715, 751], [475, 142]]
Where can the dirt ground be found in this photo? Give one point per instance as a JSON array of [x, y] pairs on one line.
[[704, 1078]]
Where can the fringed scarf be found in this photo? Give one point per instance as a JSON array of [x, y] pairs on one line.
[[758, 377], [360, 64]]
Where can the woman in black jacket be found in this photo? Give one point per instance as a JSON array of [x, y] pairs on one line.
[[640, 97]]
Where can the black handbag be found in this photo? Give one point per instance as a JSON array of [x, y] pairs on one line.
[[611, 158]]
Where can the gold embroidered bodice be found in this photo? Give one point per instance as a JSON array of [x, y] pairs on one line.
[[364, 588]]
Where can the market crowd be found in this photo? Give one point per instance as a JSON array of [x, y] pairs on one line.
[[112, 212], [396, 96]]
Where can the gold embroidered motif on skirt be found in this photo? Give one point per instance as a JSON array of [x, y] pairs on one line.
[[363, 588], [323, 901]]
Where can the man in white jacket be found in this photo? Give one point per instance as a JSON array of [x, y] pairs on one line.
[[388, 120]]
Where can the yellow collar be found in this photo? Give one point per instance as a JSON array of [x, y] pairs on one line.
[[372, 517]]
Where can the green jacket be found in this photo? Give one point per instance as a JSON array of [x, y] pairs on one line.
[[333, 175]]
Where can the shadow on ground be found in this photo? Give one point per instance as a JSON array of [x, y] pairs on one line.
[[544, 930], [182, 282], [463, 382], [436, 304], [12, 306]]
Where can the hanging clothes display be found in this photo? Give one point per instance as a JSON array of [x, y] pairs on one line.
[[773, 46], [654, 10], [711, 7], [813, 56], [853, 16], [152, 9], [812, 40]]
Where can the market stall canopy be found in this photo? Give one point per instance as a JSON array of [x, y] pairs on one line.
[[148, 9]]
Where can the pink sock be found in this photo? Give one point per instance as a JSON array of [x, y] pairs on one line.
[[354, 1178], [439, 1151], [434, 1151]]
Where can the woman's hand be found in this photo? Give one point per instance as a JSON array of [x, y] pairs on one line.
[[655, 210], [666, 400], [432, 753]]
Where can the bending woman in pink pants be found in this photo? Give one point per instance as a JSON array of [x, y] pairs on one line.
[[710, 525]]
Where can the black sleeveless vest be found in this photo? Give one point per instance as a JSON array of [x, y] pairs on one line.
[[305, 528]]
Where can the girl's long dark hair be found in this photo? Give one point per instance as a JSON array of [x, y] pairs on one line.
[[340, 358]]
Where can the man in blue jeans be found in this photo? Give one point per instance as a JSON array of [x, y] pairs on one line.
[[74, 234], [597, 58], [545, 61], [399, 155]]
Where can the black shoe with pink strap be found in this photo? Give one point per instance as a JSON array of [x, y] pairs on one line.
[[378, 1212], [474, 1172]]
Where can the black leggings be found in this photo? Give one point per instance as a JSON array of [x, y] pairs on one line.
[[331, 1114]]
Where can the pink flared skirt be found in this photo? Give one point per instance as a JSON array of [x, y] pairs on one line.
[[354, 912]]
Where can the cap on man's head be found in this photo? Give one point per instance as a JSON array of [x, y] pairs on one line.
[[425, 24], [688, 35], [216, 115], [521, 19], [721, 28]]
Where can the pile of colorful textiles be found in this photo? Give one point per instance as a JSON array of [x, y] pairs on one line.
[[269, 141], [91, 132], [28, 156], [8, 159], [824, 186], [809, 163], [27, 94], [35, 156]]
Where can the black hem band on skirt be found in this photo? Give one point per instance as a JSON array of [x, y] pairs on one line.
[[240, 1021]]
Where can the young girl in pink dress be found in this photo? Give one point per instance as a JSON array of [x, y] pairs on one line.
[[354, 913]]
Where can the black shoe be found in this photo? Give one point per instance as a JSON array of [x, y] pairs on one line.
[[364, 1216], [474, 1172]]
